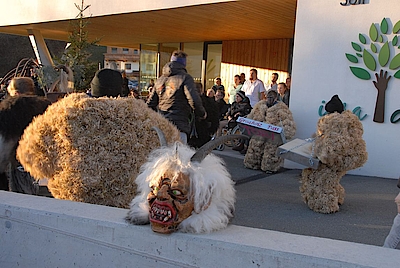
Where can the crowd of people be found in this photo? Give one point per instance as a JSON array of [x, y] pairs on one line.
[[199, 114]]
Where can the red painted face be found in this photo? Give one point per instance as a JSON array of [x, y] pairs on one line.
[[170, 202]]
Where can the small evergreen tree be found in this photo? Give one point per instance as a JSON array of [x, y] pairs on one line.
[[76, 56]]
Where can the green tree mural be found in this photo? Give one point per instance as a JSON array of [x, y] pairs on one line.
[[378, 54]]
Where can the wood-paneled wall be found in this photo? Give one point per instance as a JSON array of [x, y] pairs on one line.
[[266, 53]]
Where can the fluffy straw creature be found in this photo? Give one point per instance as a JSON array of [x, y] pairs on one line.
[[91, 149], [340, 147], [261, 153]]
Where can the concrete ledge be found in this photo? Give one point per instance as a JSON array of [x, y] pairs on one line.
[[45, 232]]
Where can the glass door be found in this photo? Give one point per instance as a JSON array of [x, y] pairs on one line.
[[213, 53]]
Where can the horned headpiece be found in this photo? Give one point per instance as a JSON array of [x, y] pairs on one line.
[[179, 188]]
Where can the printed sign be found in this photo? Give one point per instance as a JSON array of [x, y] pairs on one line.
[[352, 2], [270, 132], [259, 124]]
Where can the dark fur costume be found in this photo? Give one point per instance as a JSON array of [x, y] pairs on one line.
[[261, 154], [16, 113], [340, 147], [205, 128]]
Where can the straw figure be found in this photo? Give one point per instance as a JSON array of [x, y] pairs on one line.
[[261, 153], [91, 149], [183, 189], [339, 146]]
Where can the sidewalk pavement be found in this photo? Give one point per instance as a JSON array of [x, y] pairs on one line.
[[274, 202]]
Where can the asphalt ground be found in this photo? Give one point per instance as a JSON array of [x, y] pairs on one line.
[[274, 202]]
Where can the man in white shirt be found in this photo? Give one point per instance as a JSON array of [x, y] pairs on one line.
[[254, 88]]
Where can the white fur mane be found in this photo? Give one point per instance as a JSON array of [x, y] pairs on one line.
[[213, 191]]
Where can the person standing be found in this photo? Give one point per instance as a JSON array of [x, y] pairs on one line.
[[234, 88], [222, 105], [151, 85], [106, 83], [175, 95], [273, 85], [125, 87], [21, 86], [284, 93], [254, 88], [218, 85], [288, 82], [203, 129], [242, 78]]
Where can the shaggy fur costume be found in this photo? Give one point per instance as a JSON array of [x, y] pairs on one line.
[[261, 154], [91, 149], [211, 184], [15, 115], [340, 147]]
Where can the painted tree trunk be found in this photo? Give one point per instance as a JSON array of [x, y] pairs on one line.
[[379, 114]]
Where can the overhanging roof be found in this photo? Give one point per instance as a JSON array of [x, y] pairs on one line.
[[236, 20]]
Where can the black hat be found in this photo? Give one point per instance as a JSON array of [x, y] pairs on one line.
[[334, 105], [106, 82], [241, 94]]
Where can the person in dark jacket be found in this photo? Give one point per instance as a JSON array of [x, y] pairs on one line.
[[125, 87], [203, 129], [223, 107], [175, 95], [240, 107]]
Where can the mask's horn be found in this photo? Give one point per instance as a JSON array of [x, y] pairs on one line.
[[204, 150], [161, 136]]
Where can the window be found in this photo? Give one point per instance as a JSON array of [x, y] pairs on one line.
[[128, 66], [125, 50], [114, 50]]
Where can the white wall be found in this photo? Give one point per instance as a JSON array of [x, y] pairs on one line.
[[324, 32], [46, 232]]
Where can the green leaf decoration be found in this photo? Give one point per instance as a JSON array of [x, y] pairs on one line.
[[396, 27], [360, 73], [384, 26], [395, 40], [380, 39], [373, 48], [397, 74], [384, 55], [395, 63], [352, 58], [362, 39], [358, 54], [369, 60], [356, 46], [373, 33]]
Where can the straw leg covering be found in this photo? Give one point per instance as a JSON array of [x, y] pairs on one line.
[[254, 153], [321, 190]]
